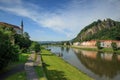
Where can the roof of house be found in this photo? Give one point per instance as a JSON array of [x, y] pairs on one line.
[[9, 25]]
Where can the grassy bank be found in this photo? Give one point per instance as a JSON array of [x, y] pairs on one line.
[[57, 69], [39, 71], [85, 48], [95, 49]]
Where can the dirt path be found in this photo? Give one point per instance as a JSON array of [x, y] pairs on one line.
[[16, 69]]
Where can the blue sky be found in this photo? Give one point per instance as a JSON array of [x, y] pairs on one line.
[[56, 20]]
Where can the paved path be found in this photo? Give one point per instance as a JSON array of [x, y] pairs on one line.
[[29, 67], [18, 68]]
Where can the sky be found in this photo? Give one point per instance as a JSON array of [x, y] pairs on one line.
[[57, 20]]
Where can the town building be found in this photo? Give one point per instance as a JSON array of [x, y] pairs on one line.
[[76, 43], [103, 43], [107, 43], [88, 43], [19, 30]]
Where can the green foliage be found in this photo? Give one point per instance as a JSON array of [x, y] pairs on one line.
[[98, 44], [35, 47], [10, 45], [23, 57], [67, 43], [101, 30], [8, 51], [62, 43], [23, 41], [114, 46], [26, 35]]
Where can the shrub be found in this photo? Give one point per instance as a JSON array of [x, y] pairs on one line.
[[98, 44], [114, 46]]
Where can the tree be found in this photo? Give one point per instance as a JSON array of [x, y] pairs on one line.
[[114, 46], [9, 45], [98, 44], [35, 46], [67, 43], [8, 51], [26, 35], [23, 42]]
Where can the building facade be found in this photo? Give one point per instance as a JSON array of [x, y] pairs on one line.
[[103, 43], [19, 30]]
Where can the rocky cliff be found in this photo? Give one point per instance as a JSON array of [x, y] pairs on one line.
[[106, 29]]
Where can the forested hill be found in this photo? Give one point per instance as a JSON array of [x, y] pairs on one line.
[[100, 30]]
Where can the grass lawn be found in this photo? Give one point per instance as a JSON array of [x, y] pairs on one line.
[[57, 69]]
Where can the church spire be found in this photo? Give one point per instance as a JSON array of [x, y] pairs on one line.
[[22, 26]]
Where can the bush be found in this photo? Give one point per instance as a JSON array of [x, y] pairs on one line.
[[114, 46], [35, 47], [8, 53], [98, 44]]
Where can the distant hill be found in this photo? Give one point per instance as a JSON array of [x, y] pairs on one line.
[[100, 30]]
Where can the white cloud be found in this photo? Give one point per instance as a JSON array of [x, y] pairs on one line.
[[9, 2], [71, 19]]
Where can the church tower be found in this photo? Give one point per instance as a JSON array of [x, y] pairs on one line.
[[22, 26]]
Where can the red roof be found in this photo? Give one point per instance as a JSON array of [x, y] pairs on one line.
[[9, 25]]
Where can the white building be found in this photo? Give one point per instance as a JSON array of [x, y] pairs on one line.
[[76, 43]]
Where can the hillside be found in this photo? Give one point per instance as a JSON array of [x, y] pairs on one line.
[[102, 30]]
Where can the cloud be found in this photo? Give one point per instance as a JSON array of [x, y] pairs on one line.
[[68, 20], [9, 2]]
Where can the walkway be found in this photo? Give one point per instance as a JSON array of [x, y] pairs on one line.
[[18, 68], [29, 67]]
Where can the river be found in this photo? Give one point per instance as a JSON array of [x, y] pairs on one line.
[[98, 65]]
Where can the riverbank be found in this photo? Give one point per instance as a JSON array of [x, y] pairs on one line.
[[57, 69], [90, 48]]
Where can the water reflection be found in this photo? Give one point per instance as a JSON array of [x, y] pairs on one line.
[[101, 64], [62, 49], [67, 49]]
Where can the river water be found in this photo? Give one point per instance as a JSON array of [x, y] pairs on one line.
[[98, 65]]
